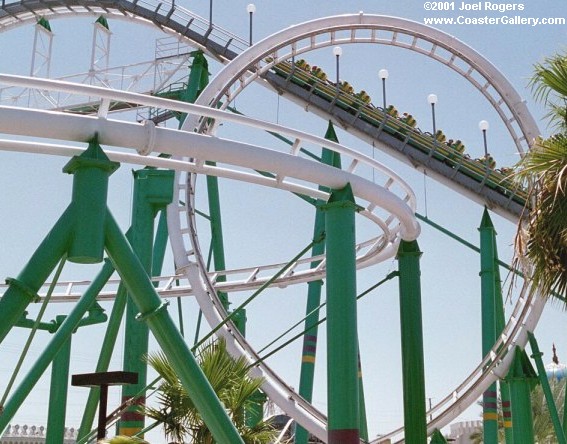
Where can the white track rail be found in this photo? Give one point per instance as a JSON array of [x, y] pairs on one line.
[[400, 222], [364, 28], [172, 19], [299, 39], [368, 29], [296, 40]]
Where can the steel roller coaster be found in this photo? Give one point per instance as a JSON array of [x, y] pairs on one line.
[[64, 113]]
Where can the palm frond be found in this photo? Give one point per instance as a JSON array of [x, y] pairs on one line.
[[550, 77], [543, 241], [229, 379], [549, 84]]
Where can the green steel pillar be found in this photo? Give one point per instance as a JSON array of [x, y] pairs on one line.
[[362, 405], [63, 334], [154, 313], [506, 411], [90, 187], [44, 23], [58, 393], [198, 80], [103, 22], [78, 235], [500, 320], [160, 244], [254, 413], [522, 379], [437, 438], [114, 323], [105, 355], [307, 373], [415, 423], [504, 388], [342, 345], [239, 320], [488, 309], [215, 221], [23, 289], [153, 191], [552, 408], [489, 248]]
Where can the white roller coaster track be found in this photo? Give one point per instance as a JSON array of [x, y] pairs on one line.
[[296, 40], [357, 28], [287, 169], [284, 46], [291, 42]]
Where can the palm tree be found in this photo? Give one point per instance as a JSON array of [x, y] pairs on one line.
[[229, 379], [543, 240], [549, 84]]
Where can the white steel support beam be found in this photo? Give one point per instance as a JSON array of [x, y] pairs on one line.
[[100, 52]]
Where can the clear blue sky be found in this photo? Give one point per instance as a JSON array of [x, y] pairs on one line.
[[263, 226]]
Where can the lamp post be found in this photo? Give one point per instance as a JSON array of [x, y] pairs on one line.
[[103, 380], [432, 100], [483, 126], [210, 14], [251, 9], [383, 73], [337, 51]]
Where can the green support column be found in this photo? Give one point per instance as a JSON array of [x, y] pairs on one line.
[[437, 438], [215, 221], [552, 408], [91, 171], [362, 405], [114, 322], [103, 22], [44, 23], [309, 352], [58, 393], [490, 267], [153, 191], [160, 244], [63, 334], [23, 289], [105, 355], [522, 379], [154, 313], [413, 374], [79, 234], [239, 320], [198, 80], [342, 344], [254, 413], [500, 324], [488, 309]]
